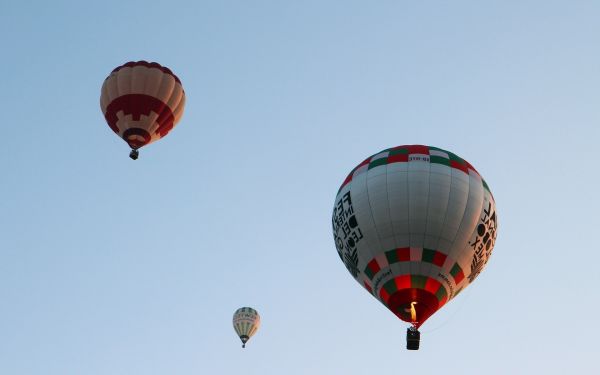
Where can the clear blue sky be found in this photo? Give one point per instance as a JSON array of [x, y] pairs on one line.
[[109, 266]]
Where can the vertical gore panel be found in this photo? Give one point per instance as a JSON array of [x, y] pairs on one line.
[[369, 245], [380, 209], [457, 203], [397, 187]]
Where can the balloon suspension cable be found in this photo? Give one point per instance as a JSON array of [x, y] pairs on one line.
[[134, 154]]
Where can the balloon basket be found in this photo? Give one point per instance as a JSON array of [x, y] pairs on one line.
[[134, 154], [413, 337]]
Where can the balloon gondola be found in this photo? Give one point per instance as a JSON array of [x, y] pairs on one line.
[[413, 338], [142, 102], [414, 225]]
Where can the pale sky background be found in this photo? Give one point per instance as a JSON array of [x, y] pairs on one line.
[[110, 266]]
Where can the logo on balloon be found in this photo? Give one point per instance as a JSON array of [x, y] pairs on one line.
[[346, 233], [484, 241]]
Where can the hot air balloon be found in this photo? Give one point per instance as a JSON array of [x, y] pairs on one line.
[[246, 322], [141, 102], [414, 225]]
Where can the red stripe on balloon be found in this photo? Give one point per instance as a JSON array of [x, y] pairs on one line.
[[417, 149], [351, 175], [137, 105], [348, 179], [432, 285], [147, 64], [402, 282], [439, 258], [398, 158], [456, 165], [384, 295], [403, 254], [443, 302], [459, 277], [374, 266], [471, 167]]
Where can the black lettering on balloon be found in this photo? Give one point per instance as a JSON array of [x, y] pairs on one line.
[[483, 243], [351, 242], [352, 222], [346, 233]]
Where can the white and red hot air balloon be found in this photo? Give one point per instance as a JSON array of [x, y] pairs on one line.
[[142, 101], [414, 226]]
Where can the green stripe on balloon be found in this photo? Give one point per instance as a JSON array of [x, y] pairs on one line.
[[392, 256], [439, 160], [398, 151], [403, 255], [418, 281], [390, 287], [457, 273], [441, 293], [377, 163], [369, 272], [400, 154], [455, 157], [428, 255], [455, 270], [485, 185]]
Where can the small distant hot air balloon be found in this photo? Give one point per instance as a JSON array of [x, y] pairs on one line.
[[246, 322], [414, 225], [142, 101]]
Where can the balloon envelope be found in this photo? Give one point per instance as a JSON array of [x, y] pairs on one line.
[[142, 102], [414, 225], [246, 322]]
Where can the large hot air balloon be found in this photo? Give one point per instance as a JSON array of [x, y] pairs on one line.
[[142, 102], [246, 322], [414, 225]]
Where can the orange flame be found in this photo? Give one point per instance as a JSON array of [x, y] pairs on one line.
[[413, 312]]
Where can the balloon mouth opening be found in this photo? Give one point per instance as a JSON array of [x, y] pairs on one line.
[[413, 305], [136, 137]]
